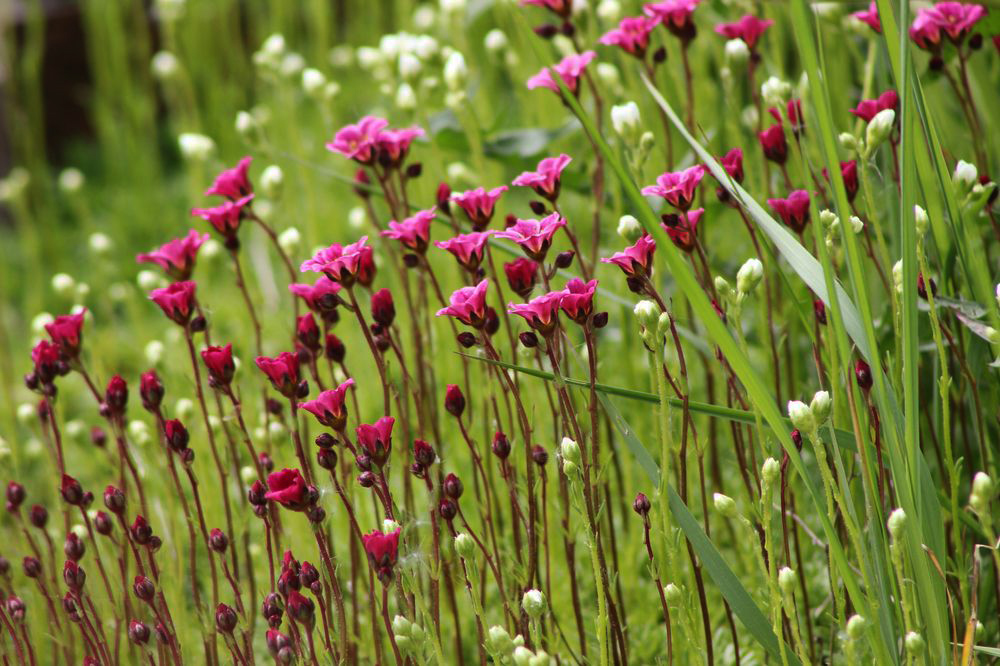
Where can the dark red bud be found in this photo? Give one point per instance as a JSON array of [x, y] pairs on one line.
[[641, 504]]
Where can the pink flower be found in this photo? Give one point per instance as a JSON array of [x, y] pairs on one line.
[[677, 187], [46, 357], [219, 361], [794, 210], [176, 301], [467, 248], [569, 70], [869, 108], [468, 305], [357, 142], [578, 300], [383, 551], [413, 232], [540, 312], [288, 488], [953, 18], [683, 228], [320, 296], [341, 264], [65, 331], [329, 407], [870, 17], [774, 144], [635, 260], [632, 35], [393, 144], [546, 178], [560, 7], [534, 236], [226, 216], [478, 204], [749, 29], [283, 371], [233, 183], [176, 257], [849, 172], [732, 162], [521, 276], [675, 15], [376, 439]]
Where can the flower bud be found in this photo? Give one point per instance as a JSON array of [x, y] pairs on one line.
[[982, 493], [626, 121], [465, 546], [749, 275], [641, 504], [914, 643], [195, 147], [856, 626], [673, 594], [787, 579], [533, 603], [965, 176], [647, 312], [500, 641], [770, 471], [569, 450], [455, 71], [454, 400], [775, 92], [820, 407], [879, 129], [724, 504], [629, 228], [801, 416]]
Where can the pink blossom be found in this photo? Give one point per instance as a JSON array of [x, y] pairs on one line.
[[287, 488], [339, 263], [468, 305], [635, 260], [376, 439], [233, 183], [320, 296], [869, 108], [393, 144], [225, 217], [953, 18], [560, 7], [478, 204], [65, 331], [329, 407], [870, 17], [467, 248], [539, 312], [683, 229], [675, 15], [534, 236], [749, 29], [793, 210], [283, 371], [677, 187], [176, 301], [383, 551], [578, 300], [569, 70], [413, 232], [732, 162], [774, 144], [357, 142], [176, 257], [546, 178], [632, 35]]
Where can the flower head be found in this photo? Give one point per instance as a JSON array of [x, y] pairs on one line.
[[320, 296], [413, 232], [383, 552], [521, 276], [288, 488], [794, 210], [329, 407], [225, 217], [954, 19], [546, 178], [176, 257], [773, 142], [675, 15], [534, 236], [539, 312], [560, 7], [392, 145], [569, 70], [376, 439], [748, 28], [870, 17], [682, 229], [677, 187], [219, 361], [176, 300], [468, 305], [340, 263], [478, 204], [357, 142], [632, 35], [46, 358], [635, 260], [467, 248], [849, 172], [283, 371], [233, 183], [578, 300], [869, 108], [66, 330]]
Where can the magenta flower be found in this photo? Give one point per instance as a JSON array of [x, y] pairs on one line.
[[233, 183], [468, 305], [383, 551], [46, 357], [478, 204], [632, 35], [521, 276], [677, 187], [774, 144], [869, 108], [870, 17], [342, 264], [560, 7], [66, 330], [578, 300], [683, 229], [219, 361], [376, 439], [794, 210], [539, 312], [732, 162], [176, 257], [675, 15], [467, 248], [176, 301], [955, 19], [357, 142], [288, 488], [749, 29], [413, 232], [534, 236], [635, 260], [329, 407], [546, 178], [569, 70], [283, 371], [320, 296], [392, 145], [849, 172], [226, 216]]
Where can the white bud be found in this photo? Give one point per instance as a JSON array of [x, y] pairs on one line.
[[246, 124], [26, 413], [724, 504], [570, 450], [522, 656], [455, 71], [165, 65], [71, 180], [857, 224], [274, 45], [625, 120], [801, 416], [775, 92], [292, 64], [64, 285], [820, 407], [629, 228], [533, 603], [749, 275], [787, 580], [368, 58], [424, 17], [40, 321], [184, 409], [965, 176], [313, 82], [389, 526], [406, 98], [196, 147], [153, 351], [289, 240], [770, 471], [409, 66], [647, 312], [982, 492], [99, 243], [737, 52], [148, 280], [609, 76], [828, 217], [357, 217], [920, 220], [500, 640], [914, 643], [495, 40], [452, 6], [609, 10], [896, 524], [271, 180], [848, 141], [723, 287], [673, 594], [138, 431], [750, 117], [465, 546], [856, 626], [879, 129]]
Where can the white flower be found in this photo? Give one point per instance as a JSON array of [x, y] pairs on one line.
[[165, 65], [629, 228], [409, 66], [879, 129], [64, 285], [100, 243], [271, 180], [896, 523], [368, 57], [801, 416], [533, 603], [856, 627], [857, 224], [196, 147], [495, 41], [775, 92], [820, 407], [724, 504], [153, 351], [406, 98], [424, 17], [40, 321], [770, 471], [737, 52], [148, 280], [570, 450], [966, 175], [625, 119], [313, 82], [274, 45], [452, 6], [455, 71], [609, 10], [749, 275], [647, 312], [787, 579]]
